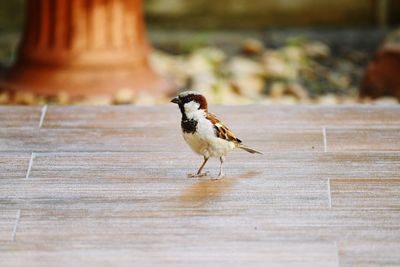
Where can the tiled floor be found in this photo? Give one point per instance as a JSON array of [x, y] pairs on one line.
[[107, 186]]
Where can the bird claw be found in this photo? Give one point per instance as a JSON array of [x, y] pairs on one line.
[[197, 175], [220, 176]]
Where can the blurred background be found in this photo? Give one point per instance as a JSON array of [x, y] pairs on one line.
[[233, 51]]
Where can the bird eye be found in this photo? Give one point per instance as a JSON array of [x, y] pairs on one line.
[[185, 99]]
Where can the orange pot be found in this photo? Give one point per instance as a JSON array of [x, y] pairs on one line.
[[382, 76], [83, 48]]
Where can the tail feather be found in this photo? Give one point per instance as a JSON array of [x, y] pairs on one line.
[[248, 149]]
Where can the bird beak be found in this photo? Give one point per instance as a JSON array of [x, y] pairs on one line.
[[175, 100]]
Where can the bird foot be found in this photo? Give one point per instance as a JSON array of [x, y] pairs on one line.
[[197, 175], [220, 176]]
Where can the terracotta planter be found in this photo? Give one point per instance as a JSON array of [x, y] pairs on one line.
[[382, 77], [83, 47]]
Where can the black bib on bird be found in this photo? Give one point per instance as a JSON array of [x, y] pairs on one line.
[[188, 126]]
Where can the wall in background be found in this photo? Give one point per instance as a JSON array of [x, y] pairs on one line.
[[245, 14], [258, 14]]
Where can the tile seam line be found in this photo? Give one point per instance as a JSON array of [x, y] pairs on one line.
[[28, 171], [329, 193], [42, 115], [337, 253], [17, 219]]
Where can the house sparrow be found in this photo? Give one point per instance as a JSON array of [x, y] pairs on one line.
[[204, 132]]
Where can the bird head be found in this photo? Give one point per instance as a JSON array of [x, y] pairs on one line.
[[190, 101]]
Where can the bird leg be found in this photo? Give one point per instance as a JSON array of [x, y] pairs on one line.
[[199, 173], [221, 173]]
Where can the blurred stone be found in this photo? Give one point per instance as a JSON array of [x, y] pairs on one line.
[[203, 81], [249, 86], [348, 99], [339, 80], [205, 60], [24, 98], [42, 100], [328, 99], [277, 89], [95, 100], [252, 46], [276, 66], [266, 101], [286, 100], [124, 96], [161, 62], [145, 99], [198, 64], [306, 101], [217, 93], [213, 54], [392, 40], [241, 66], [4, 98], [280, 89], [223, 92], [387, 100], [174, 67], [293, 53], [233, 99], [317, 49], [298, 91], [62, 98], [246, 76], [244, 66]]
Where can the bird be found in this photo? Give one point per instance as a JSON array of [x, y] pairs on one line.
[[204, 132]]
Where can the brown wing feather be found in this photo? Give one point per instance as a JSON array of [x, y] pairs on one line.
[[221, 130]]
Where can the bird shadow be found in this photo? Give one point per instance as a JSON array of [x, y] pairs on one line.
[[249, 174], [207, 190]]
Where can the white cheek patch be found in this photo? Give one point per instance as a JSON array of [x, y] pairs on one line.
[[191, 108]]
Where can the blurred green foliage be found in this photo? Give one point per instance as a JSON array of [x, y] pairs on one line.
[[11, 23], [11, 15]]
